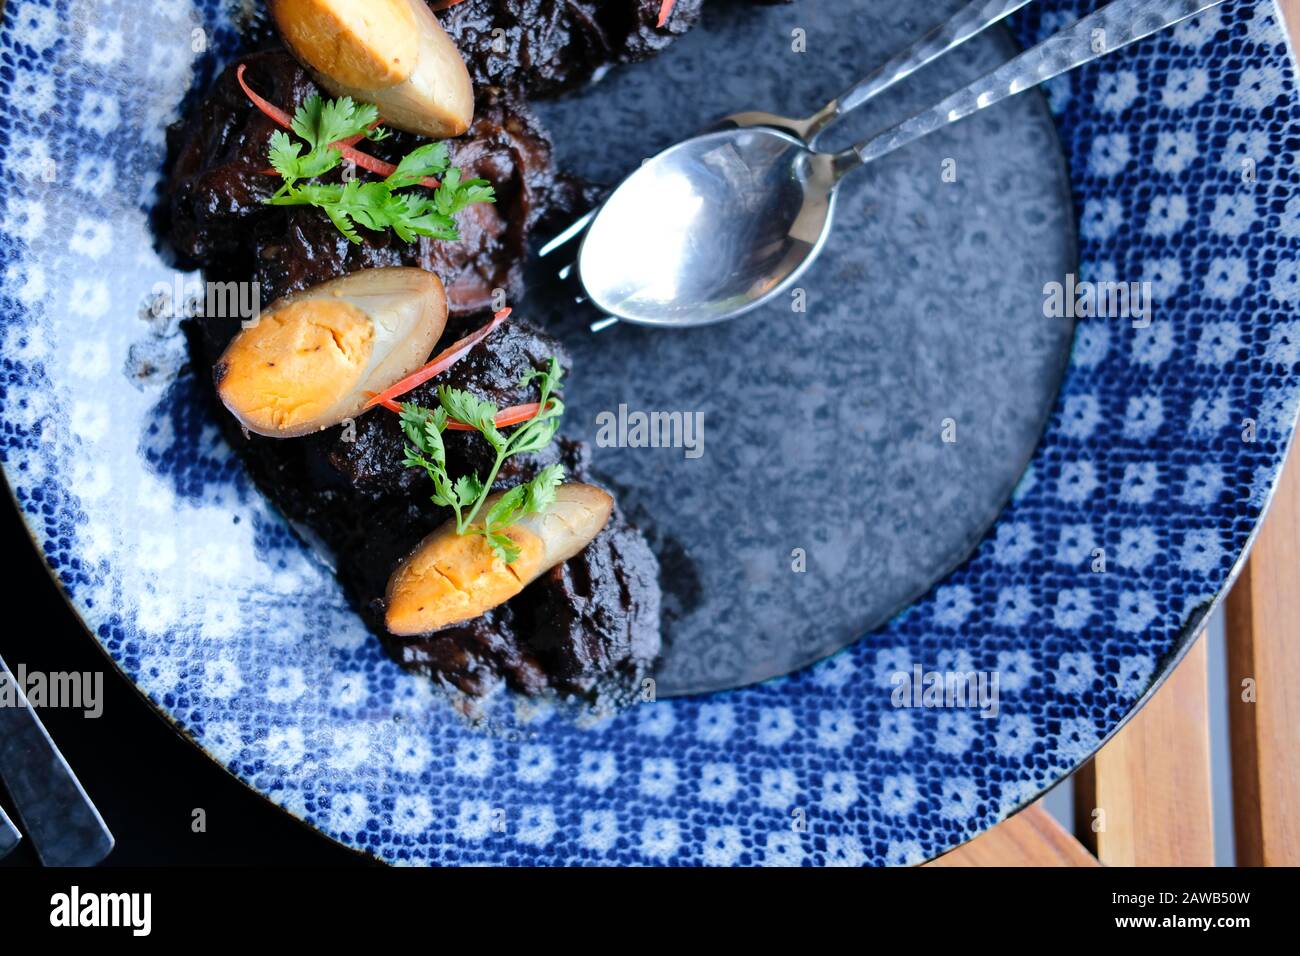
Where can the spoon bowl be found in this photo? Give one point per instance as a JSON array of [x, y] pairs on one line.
[[720, 224], [709, 229]]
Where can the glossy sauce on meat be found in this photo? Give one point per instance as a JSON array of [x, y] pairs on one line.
[[216, 216], [548, 46], [587, 629]]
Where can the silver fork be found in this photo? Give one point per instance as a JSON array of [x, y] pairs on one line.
[[968, 22]]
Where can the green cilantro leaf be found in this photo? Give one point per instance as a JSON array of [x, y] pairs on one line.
[[286, 156], [324, 122], [467, 494], [540, 492], [429, 160], [503, 546], [375, 205], [472, 410], [468, 489], [507, 510]]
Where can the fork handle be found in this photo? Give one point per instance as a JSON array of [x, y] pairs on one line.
[[1115, 25], [969, 21]]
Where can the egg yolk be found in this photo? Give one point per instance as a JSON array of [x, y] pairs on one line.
[[367, 44], [457, 577], [295, 363]]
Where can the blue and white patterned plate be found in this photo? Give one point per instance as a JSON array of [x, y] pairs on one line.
[[203, 598]]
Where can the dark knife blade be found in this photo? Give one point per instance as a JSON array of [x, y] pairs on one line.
[[62, 823], [9, 835]]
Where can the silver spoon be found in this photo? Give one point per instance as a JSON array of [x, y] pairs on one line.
[[719, 224], [967, 23]]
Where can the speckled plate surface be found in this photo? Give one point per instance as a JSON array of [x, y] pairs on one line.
[[204, 599], [826, 413]]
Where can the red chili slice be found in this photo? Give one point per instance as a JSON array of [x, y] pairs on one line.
[[276, 114], [344, 146], [514, 415], [440, 363], [665, 11]]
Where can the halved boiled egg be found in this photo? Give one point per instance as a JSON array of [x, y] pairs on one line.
[[312, 359], [451, 578], [393, 53]]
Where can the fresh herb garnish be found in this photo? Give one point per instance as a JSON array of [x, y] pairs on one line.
[[322, 124], [465, 496], [376, 204]]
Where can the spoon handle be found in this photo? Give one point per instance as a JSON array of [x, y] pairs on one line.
[[1115, 25], [969, 21]]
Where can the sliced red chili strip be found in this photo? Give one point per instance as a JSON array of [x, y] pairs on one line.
[[665, 11], [514, 415], [269, 109], [440, 363]]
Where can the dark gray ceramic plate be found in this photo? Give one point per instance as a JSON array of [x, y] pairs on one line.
[[872, 437], [214, 610]]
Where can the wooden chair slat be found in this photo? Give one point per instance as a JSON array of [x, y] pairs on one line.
[[1263, 625], [1144, 800], [1031, 838]]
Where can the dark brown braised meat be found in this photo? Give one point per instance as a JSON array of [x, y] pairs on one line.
[[504, 146], [589, 628], [372, 464], [587, 613], [543, 47], [216, 185], [473, 657], [217, 219]]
